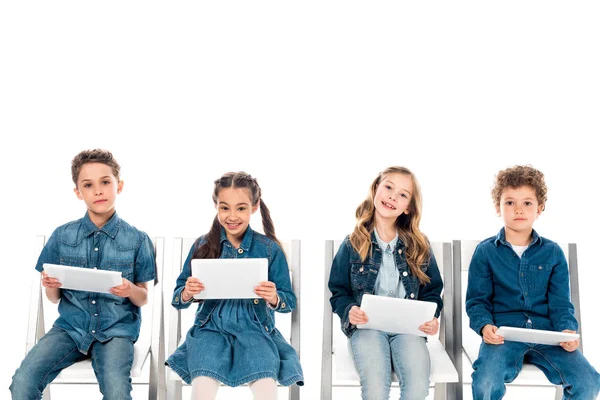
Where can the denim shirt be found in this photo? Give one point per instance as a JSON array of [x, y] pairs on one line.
[[117, 246], [351, 277], [254, 245], [530, 291]]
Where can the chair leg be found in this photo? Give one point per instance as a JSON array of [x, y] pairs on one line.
[[294, 392], [559, 393]]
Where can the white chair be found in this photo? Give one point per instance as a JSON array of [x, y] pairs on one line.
[[181, 320], [337, 357], [149, 351], [530, 375]]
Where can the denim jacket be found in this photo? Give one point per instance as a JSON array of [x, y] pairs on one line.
[[117, 246], [533, 291], [351, 277], [254, 245]]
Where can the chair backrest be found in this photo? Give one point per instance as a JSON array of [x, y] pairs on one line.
[[43, 313], [288, 324], [333, 338]]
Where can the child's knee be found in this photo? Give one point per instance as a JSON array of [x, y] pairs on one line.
[[22, 386]]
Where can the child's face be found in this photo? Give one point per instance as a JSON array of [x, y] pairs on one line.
[[234, 208], [98, 188], [519, 208], [393, 196]]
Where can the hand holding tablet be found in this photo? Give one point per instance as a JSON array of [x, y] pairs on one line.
[[537, 336], [86, 279], [228, 278]]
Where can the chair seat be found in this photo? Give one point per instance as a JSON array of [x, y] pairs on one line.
[[82, 372], [442, 369]]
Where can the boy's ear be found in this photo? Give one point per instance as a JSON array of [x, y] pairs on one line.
[[120, 186], [78, 193], [498, 213], [540, 208]]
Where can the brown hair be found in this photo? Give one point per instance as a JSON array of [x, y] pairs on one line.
[[239, 180], [407, 225], [92, 156], [520, 175]]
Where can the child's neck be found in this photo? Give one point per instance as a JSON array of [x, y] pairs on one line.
[[518, 238], [100, 219], [386, 230]]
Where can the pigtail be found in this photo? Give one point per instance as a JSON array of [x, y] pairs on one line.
[[212, 247], [268, 223]]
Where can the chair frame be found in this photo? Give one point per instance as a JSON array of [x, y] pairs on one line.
[[156, 381], [445, 390], [181, 247], [575, 299]]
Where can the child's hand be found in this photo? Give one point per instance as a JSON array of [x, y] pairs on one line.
[[489, 335], [268, 291], [572, 345], [193, 286], [123, 290], [430, 327], [357, 316], [50, 283]]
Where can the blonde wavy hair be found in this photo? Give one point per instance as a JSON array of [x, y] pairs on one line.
[[407, 225]]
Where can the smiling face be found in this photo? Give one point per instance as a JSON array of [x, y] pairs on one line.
[[519, 209], [393, 197], [98, 188], [234, 207]]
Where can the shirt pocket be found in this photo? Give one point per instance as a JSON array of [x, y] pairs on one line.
[[538, 277], [73, 261], [359, 275], [125, 267]]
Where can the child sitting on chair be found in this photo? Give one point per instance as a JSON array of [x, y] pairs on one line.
[[520, 279], [99, 326]]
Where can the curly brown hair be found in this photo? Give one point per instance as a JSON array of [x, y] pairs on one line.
[[520, 175], [91, 156]]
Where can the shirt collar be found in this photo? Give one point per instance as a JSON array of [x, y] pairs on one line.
[[383, 245], [246, 241], [111, 227], [501, 238]]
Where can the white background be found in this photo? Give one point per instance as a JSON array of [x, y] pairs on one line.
[[313, 99]]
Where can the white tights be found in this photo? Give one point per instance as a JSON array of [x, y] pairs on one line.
[[205, 388]]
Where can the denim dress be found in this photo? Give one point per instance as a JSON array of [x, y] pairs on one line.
[[235, 340]]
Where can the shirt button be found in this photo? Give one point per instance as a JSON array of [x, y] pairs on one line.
[[412, 295], [96, 249], [400, 251], [391, 292], [95, 315], [405, 273], [93, 331], [240, 250], [540, 267], [95, 267], [392, 274], [176, 299], [282, 305], [361, 269], [522, 274], [267, 328], [93, 301], [255, 301], [525, 293]]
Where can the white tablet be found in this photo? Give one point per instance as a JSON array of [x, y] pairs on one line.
[[390, 314], [230, 278], [535, 335], [86, 279]]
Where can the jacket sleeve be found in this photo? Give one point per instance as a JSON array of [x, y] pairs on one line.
[[432, 291], [480, 290], [342, 299], [562, 312], [186, 272], [280, 275]]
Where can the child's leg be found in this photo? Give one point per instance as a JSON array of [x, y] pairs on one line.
[[54, 352], [264, 389], [569, 369], [112, 365], [496, 365], [204, 388], [372, 359], [410, 358]]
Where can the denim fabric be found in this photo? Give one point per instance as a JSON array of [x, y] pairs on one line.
[[351, 277], [117, 246], [389, 281], [235, 340], [498, 364], [56, 350], [407, 353], [505, 290]]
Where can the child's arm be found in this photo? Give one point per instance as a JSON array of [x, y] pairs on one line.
[[182, 300], [50, 255], [342, 300], [52, 286], [432, 291], [561, 310], [137, 294], [480, 290], [277, 292]]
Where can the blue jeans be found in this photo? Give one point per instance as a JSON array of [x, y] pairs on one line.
[[375, 353], [56, 350], [498, 364]]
